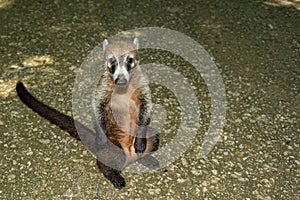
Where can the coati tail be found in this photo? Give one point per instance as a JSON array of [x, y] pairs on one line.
[[65, 122], [107, 153]]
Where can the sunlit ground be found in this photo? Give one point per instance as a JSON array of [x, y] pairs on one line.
[[5, 3], [293, 3], [44, 62]]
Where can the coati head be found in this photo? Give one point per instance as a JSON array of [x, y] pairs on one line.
[[121, 59]]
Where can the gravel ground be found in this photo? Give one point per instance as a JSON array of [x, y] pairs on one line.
[[256, 45]]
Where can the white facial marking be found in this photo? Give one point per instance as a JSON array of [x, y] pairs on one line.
[[136, 43], [105, 43], [121, 70]]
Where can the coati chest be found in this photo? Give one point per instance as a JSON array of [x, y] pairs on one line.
[[122, 118]]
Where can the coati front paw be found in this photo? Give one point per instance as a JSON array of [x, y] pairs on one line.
[[140, 145]]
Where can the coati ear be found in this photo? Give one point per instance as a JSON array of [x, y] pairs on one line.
[[136, 43], [105, 43]]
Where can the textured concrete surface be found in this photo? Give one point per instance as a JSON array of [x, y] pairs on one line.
[[256, 45]]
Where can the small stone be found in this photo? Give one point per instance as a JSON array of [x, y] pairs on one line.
[[72, 68], [249, 136], [238, 120], [46, 159], [195, 172], [204, 183], [216, 161], [29, 153], [181, 180], [154, 191], [44, 141], [69, 193], [214, 171], [242, 179], [11, 177], [184, 162]]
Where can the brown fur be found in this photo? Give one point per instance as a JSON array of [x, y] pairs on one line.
[[123, 111]]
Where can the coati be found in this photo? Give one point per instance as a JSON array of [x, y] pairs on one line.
[[121, 105]]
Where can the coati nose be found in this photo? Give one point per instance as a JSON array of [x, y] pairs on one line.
[[121, 80]]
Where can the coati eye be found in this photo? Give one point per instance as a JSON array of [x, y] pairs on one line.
[[129, 60], [129, 63], [112, 68], [112, 65]]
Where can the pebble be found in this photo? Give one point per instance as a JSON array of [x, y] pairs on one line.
[[214, 171], [44, 141], [69, 193], [154, 191], [11, 177], [47, 159], [215, 161], [181, 180], [196, 172]]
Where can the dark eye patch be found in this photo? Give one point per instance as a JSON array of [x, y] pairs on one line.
[[129, 63], [130, 60], [112, 63]]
